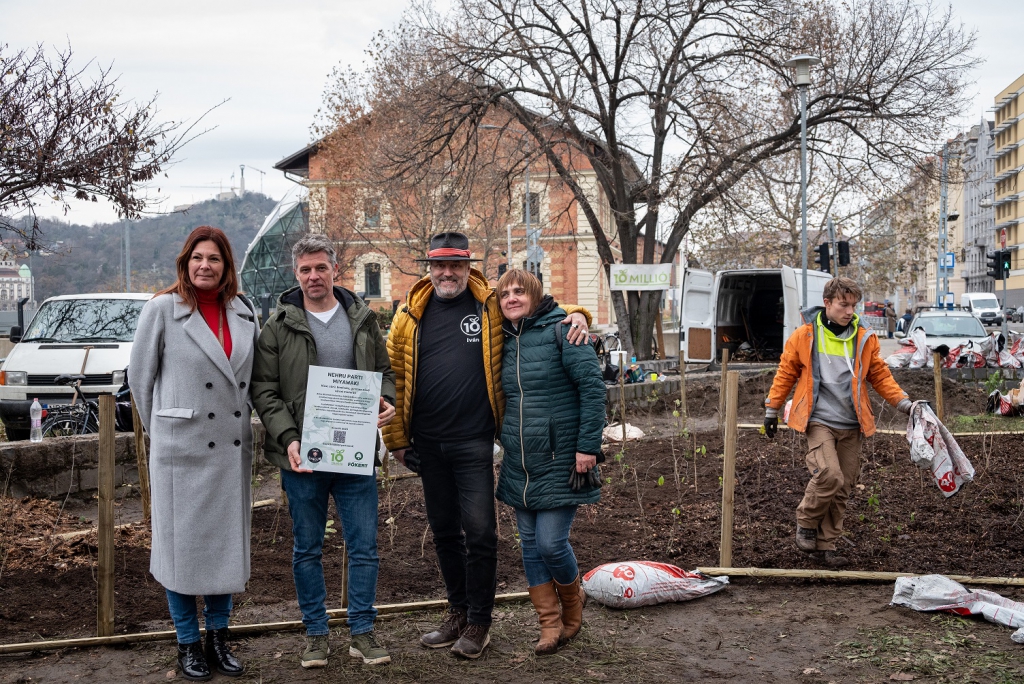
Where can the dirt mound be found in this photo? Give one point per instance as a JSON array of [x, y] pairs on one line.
[[662, 503]]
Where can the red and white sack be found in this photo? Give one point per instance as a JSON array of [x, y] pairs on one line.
[[921, 357], [937, 592], [1000, 403], [642, 583], [933, 447], [901, 358], [1016, 345]]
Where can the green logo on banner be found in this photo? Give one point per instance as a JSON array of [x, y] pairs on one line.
[[338, 456]]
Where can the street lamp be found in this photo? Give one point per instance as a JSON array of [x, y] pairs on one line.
[[802, 64]]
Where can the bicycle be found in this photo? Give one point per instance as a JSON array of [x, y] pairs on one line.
[[82, 416]]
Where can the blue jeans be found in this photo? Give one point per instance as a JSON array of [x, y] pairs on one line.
[[458, 491], [216, 613], [547, 554], [355, 497]]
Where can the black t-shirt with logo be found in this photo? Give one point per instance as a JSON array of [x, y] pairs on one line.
[[451, 402]]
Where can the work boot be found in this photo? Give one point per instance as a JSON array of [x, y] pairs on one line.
[[473, 641], [193, 663], [317, 650], [367, 647], [545, 602], [829, 559], [572, 598], [806, 539], [450, 630], [218, 653]]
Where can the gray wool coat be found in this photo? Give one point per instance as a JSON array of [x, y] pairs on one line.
[[195, 404]]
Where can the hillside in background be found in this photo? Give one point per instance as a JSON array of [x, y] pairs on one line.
[[90, 258]]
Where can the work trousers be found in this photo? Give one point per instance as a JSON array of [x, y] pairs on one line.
[[833, 458]]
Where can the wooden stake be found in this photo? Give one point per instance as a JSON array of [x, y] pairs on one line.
[[856, 575], [937, 362], [338, 616], [105, 534], [142, 458], [622, 399], [721, 389], [682, 392], [729, 466], [344, 575]]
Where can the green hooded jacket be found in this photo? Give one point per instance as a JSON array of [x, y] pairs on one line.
[[285, 352]]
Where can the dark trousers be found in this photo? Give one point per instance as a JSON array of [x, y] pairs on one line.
[[458, 490]]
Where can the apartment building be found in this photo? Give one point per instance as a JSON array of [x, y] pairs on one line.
[[1008, 134], [978, 215]]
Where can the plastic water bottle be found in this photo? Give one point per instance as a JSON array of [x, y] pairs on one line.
[[37, 421]]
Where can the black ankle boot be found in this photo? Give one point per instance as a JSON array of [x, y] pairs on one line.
[[193, 663], [218, 653]]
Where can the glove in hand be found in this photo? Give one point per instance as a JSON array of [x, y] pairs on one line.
[[588, 480], [771, 426], [412, 460]]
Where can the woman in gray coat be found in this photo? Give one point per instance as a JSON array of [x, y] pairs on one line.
[[189, 374]]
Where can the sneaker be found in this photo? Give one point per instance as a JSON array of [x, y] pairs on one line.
[[366, 646], [317, 650], [806, 539], [472, 642], [830, 559], [450, 630]]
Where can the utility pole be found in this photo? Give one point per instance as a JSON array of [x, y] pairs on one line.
[[127, 256], [941, 275]]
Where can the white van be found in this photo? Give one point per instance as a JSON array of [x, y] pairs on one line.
[[89, 334], [984, 306], [759, 307]]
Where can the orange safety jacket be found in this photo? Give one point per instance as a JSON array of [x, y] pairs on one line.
[[798, 368]]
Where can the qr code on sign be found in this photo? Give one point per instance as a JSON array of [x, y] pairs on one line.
[[339, 436]]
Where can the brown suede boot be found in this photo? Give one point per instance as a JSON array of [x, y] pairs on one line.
[[545, 602], [573, 598]]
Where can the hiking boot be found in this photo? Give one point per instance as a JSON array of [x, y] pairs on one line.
[[317, 650], [450, 630], [367, 647], [473, 641], [806, 539], [829, 559], [218, 653]]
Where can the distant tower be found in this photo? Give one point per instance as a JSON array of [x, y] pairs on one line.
[[241, 183]]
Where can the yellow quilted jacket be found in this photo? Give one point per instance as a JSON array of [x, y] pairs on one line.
[[403, 347]]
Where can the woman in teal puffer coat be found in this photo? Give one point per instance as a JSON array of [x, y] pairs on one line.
[[554, 415]]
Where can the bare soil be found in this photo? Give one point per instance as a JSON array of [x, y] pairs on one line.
[[662, 502]]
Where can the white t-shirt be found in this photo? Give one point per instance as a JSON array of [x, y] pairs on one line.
[[325, 316]]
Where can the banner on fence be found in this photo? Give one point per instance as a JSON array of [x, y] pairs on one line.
[[641, 276]]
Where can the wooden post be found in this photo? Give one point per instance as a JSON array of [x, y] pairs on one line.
[[682, 393], [622, 398], [721, 389], [937, 362], [105, 533], [142, 459], [729, 466], [344, 575]]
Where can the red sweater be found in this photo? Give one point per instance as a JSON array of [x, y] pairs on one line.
[[214, 315]]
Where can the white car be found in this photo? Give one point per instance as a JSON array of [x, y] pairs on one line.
[[89, 334], [949, 327]]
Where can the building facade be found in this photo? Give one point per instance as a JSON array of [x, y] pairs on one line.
[[977, 217], [1008, 166], [16, 282]]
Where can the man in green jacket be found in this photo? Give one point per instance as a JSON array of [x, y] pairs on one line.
[[320, 324]]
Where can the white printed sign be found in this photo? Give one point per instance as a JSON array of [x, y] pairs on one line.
[[339, 427], [641, 276]]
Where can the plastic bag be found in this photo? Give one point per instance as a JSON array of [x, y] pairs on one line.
[[933, 447], [937, 592], [642, 583]]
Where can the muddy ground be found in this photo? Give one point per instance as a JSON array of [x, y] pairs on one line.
[[662, 503]]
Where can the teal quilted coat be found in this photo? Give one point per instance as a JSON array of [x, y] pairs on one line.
[[554, 407]]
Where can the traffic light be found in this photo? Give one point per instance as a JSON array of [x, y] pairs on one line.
[[843, 252], [1004, 262], [994, 264], [824, 259]]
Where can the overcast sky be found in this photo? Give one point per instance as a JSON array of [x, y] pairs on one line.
[[272, 60]]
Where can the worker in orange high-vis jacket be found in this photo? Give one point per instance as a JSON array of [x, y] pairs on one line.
[[830, 361]]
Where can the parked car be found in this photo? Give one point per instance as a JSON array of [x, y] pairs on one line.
[[952, 328], [89, 334]]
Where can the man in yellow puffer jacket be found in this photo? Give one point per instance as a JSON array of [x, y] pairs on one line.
[[446, 347], [831, 361]]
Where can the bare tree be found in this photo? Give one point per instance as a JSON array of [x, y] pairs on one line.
[[673, 102], [66, 134]]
